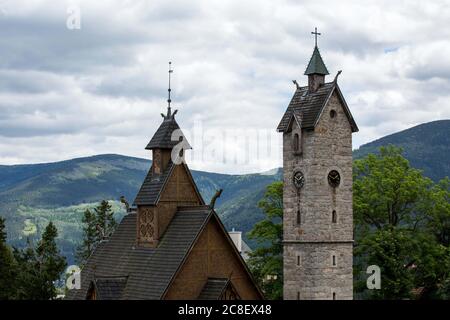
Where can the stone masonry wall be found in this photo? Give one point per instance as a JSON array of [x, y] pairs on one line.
[[316, 239]]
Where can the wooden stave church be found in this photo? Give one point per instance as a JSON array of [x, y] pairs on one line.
[[172, 246]]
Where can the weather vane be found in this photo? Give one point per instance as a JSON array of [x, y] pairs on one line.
[[315, 33]]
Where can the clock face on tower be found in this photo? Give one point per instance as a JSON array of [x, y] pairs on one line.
[[334, 179], [299, 179]]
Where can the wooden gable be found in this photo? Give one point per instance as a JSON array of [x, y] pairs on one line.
[[213, 255]]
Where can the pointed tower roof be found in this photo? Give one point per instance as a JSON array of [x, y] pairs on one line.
[[316, 64], [162, 139]]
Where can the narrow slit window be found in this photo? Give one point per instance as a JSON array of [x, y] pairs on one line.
[[298, 295], [334, 260], [299, 217], [296, 143], [334, 295], [298, 260], [334, 216]]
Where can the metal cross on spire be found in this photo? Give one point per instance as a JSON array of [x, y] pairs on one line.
[[169, 90], [315, 33]]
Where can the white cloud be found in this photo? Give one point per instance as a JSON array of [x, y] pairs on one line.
[[69, 93]]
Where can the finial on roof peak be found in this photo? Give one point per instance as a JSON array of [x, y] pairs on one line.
[[337, 75], [315, 33], [169, 114]]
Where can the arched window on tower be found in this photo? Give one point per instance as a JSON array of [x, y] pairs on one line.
[[334, 216]]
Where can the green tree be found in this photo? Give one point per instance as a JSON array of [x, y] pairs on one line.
[[266, 261], [98, 225], [106, 224], [396, 213], [51, 263], [438, 222], [8, 267], [90, 237], [40, 267]]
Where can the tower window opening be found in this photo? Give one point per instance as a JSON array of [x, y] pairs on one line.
[[296, 143], [298, 295], [334, 216], [299, 217], [298, 260], [333, 113], [334, 295], [334, 260]]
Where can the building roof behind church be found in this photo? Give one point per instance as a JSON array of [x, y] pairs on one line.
[[316, 64], [162, 138], [148, 271]]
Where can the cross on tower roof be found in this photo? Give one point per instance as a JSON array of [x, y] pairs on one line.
[[315, 33]]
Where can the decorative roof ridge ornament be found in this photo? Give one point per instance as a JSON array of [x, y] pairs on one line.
[[169, 115], [337, 75]]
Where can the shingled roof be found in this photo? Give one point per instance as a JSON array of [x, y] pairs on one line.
[[213, 289], [109, 288], [148, 271], [316, 64], [152, 186], [163, 136], [309, 105]]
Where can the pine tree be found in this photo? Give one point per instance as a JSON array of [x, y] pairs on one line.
[[105, 220], [8, 266], [90, 237], [98, 225], [51, 263], [40, 267]]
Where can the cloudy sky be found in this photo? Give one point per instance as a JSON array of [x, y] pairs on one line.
[[67, 92]]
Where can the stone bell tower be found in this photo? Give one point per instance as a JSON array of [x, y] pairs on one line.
[[317, 132]]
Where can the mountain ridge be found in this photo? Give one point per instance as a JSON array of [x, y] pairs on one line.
[[31, 195]]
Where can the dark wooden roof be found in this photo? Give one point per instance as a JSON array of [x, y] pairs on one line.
[[149, 271], [109, 288], [152, 186], [162, 138], [213, 289], [309, 105]]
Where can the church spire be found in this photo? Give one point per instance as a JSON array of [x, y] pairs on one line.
[[316, 70], [316, 64]]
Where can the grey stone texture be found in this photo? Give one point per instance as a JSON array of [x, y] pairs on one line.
[[316, 239]]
